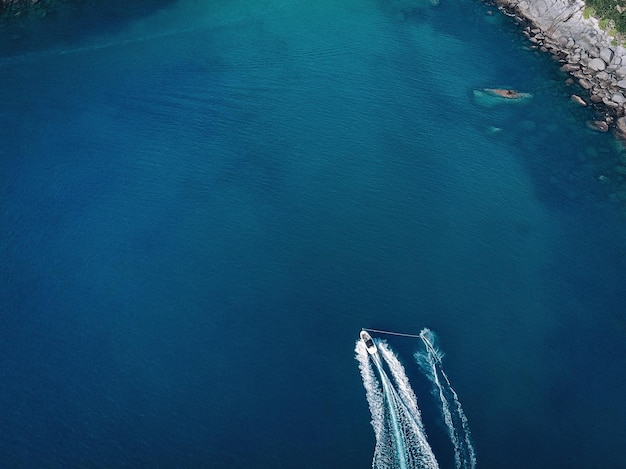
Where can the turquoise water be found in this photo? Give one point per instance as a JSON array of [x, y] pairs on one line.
[[201, 205]]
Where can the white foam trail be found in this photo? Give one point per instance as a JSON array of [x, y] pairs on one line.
[[392, 399], [373, 392], [400, 439], [431, 363], [402, 383], [469, 447], [429, 367]]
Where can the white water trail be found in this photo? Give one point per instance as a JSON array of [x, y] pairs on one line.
[[392, 400], [400, 439], [431, 371], [456, 422], [375, 399]]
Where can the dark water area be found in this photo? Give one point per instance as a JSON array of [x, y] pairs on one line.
[[203, 204], [27, 27]]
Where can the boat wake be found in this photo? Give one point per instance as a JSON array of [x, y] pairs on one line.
[[401, 440], [430, 361]]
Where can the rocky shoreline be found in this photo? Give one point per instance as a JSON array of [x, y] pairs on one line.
[[593, 60], [586, 52]]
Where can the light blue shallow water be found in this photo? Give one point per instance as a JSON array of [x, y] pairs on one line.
[[201, 207]]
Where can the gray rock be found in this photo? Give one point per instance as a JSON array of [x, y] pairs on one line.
[[578, 100], [585, 84], [621, 124], [621, 83], [597, 64], [618, 98], [608, 103], [606, 55], [595, 98]]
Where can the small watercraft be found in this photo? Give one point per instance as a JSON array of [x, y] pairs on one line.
[[369, 342]]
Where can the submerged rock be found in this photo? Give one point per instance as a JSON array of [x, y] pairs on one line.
[[598, 126], [620, 170], [504, 92], [489, 97]]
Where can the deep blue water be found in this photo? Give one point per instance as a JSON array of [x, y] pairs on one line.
[[201, 207]]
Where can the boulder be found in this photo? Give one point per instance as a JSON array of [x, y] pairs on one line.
[[621, 83], [618, 98], [621, 125], [606, 55], [608, 103], [597, 64], [596, 98], [578, 100], [585, 84]]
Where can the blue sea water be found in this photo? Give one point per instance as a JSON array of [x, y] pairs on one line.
[[202, 205]]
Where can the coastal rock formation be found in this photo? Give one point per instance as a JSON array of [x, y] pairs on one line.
[[586, 51], [489, 97], [592, 58]]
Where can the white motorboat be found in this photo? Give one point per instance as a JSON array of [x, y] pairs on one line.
[[369, 342]]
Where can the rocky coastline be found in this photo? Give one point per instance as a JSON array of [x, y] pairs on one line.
[[587, 53], [594, 60]]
